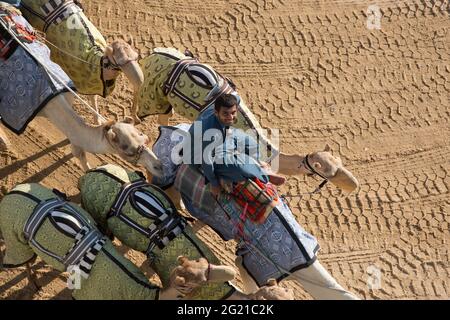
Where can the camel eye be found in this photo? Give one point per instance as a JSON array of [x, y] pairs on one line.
[[124, 147]]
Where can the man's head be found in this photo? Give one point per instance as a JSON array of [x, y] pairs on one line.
[[226, 109]]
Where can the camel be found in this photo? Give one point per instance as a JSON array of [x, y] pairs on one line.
[[121, 138], [143, 218], [323, 164], [224, 215], [177, 82], [54, 103], [81, 50], [39, 222]]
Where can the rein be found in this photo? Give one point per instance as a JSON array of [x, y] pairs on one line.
[[308, 166]]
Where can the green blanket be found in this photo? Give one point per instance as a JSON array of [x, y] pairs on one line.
[[111, 277], [99, 189]]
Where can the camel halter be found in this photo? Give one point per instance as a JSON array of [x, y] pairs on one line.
[[135, 157], [138, 154], [308, 166]]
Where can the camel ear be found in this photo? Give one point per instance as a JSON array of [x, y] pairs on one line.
[[110, 134], [109, 53], [128, 120], [108, 125], [221, 273], [180, 281], [327, 148], [181, 260]]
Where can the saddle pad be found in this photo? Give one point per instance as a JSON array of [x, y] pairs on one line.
[[169, 138], [269, 250], [26, 86]]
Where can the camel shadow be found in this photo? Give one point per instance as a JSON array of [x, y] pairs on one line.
[[28, 291], [41, 175], [10, 169]]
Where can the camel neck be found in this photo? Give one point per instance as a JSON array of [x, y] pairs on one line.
[[90, 138], [289, 164]]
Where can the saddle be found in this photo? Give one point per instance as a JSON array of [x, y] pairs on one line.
[[257, 199]]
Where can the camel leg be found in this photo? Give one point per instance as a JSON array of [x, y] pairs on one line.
[[81, 155], [321, 285], [94, 103], [31, 276], [249, 285], [163, 119], [134, 109], [5, 144]]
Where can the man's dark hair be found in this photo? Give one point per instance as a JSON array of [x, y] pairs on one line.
[[226, 101]]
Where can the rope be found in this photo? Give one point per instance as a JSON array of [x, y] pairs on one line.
[[71, 55], [8, 28]]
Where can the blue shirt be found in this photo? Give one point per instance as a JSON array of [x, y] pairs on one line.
[[200, 154], [207, 146]]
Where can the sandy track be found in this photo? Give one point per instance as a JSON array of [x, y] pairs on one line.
[[313, 70]]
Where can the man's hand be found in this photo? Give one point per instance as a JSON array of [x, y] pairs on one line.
[[226, 186], [215, 190]]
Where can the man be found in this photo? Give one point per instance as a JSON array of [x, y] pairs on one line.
[[226, 155]]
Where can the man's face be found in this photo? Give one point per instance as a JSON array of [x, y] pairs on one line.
[[227, 116]]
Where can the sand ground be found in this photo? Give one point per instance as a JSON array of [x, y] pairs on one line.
[[314, 70]]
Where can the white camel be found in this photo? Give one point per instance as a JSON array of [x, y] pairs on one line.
[[312, 276]]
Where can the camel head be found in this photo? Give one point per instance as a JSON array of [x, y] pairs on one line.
[[325, 164], [191, 274], [272, 291], [122, 55], [131, 144]]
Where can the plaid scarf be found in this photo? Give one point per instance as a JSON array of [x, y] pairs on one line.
[[191, 183], [256, 198]]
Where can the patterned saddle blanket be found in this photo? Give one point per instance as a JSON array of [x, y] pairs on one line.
[[273, 248], [26, 86]]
